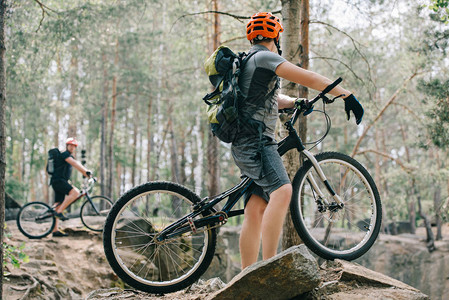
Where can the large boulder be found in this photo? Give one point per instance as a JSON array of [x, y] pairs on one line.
[[284, 276]]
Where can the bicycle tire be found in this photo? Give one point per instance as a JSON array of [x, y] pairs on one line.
[[345, 233], [35, 228], [89, 216], [132, 251]]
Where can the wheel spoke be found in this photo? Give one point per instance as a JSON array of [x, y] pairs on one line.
[[160, 265], [329, 229]]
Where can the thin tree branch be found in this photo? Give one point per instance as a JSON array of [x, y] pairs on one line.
[[237, 17], [44, 9], [404, 167], [341, 62], [354, 42], [411, 111], [389, 102]]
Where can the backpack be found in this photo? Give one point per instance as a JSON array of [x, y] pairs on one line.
[[223, 68], [53, 154]]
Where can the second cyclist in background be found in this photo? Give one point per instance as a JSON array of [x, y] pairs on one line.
[[65, 192]]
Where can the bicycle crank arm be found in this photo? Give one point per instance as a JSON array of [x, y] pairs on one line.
[[323, 178]]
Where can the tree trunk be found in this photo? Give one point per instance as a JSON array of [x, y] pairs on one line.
[[213, 171], [104, 126], [430, 241], [437, 208], [2, 134], [134, 148], [149, 139], [197, 164], [73, 92], [111, 133], [410, 199], [173, 149], [295, 44]]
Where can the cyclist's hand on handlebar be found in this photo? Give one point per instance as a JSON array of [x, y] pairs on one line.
[[88, 173], [352, 104], [303, 103]]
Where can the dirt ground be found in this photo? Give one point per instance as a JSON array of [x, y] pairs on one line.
[[70, 267], [75, 267]]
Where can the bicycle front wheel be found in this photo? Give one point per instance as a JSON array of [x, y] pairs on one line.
[[133, 250], [36, 220], [93, 213], [329, 230]]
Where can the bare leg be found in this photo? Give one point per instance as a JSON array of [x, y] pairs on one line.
[[69, 199], [251, 230], [56, 228], [273, 219]]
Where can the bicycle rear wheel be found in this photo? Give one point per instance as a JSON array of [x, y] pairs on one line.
[[328, 230], [36, 220], [134, 253], [93, 215]]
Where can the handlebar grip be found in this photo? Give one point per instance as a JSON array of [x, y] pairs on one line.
[[331, 86]]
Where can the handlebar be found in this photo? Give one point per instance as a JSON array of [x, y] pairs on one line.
[[89, 183], [306, 105], [331, 86]]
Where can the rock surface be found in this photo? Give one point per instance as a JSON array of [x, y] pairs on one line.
[[284, 276], [347, 280], [74, 267]]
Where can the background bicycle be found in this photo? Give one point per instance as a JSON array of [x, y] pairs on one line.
[[36, 219], [161, 237]]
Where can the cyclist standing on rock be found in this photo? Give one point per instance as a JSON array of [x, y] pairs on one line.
[[255, 149], [65, 193]]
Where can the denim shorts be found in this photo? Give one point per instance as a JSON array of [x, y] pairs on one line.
[[273, 174]]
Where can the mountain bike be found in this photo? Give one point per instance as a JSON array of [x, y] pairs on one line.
[[37, 219], [160, 237]]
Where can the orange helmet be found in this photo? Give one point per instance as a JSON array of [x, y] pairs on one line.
[[263, 24], [71, 141]]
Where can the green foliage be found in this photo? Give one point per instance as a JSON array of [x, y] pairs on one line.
[[438, 125], [13, 254], [61, 69], [16, 189], [441, 7]]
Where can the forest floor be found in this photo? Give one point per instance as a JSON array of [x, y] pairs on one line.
[[72, 267]]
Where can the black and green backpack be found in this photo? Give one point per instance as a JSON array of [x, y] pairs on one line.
[[223, 68]]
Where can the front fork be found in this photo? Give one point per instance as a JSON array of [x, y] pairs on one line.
[[323, 178]]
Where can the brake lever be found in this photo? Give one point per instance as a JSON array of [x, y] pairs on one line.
[[329, 101]]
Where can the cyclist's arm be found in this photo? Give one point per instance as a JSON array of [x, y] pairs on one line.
[[307, 78], [77, 165], [285, 101]]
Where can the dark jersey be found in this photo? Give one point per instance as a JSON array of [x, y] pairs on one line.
[[63, 170]]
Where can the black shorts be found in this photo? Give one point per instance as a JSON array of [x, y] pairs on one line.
[[61, 188]]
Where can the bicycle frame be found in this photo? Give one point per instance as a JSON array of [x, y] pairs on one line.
[[214, 217], [87, 186]]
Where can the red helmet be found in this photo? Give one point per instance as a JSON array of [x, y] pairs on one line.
[[263, 24], [71, 141]]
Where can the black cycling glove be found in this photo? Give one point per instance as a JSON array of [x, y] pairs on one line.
[[351, 103]]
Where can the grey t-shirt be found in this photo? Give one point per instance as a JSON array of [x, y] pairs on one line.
[[259, 85]]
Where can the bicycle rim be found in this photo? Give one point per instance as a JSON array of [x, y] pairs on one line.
[[93, 217], [35, 220], [332, 232], [146, 263]]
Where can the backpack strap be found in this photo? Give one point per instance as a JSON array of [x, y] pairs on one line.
[[238, 64]]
